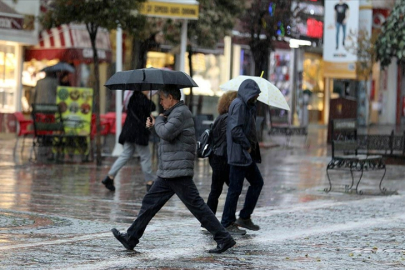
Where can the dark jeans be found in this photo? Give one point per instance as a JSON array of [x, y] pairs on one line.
[[338, 26], [161, 191], [236, 177], [220, 175]]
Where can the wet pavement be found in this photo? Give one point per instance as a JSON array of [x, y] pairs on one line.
[[59, 216]]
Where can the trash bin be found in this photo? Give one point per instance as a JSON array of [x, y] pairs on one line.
[[341, 108]]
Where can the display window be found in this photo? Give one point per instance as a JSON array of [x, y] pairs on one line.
[[313, 86], [206, 73], [8, 77]]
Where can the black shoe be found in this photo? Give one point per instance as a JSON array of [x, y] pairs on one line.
[[108, 183], [234, 230], [247, 224], [122, 237], [224, 246]]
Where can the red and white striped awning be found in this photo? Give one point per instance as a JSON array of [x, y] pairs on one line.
[[70, 43]]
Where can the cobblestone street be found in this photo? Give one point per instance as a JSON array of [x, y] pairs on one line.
[[59, 216]]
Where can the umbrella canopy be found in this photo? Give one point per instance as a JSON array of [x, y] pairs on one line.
[[148, 79], [269, 95], [59, 67]]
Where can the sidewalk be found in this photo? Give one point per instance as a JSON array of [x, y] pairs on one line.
[[59, 216]]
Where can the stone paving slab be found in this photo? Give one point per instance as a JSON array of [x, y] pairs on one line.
[[59, 216], [363, 234]]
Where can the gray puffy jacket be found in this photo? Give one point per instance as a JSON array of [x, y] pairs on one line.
[[177, 142]]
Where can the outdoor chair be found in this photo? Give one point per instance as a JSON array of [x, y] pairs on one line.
[[24, 129]]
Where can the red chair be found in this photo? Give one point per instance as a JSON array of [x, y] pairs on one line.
[[111, 118], [104, 124], [24, 128]]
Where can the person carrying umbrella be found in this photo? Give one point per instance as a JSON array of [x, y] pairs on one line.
[[175, 128], [134, 137], [243, 154], [45, 90]]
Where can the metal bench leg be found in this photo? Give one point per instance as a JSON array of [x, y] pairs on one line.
[[358, 182], [383, 190], [351, 186], [330, 183]]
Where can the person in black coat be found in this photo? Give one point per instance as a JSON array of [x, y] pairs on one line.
[[218, 158], [135, 136]]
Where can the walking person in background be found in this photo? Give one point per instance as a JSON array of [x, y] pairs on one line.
[[135, 137], [218, 159], [45, 90], [243, 154], [177, 150]]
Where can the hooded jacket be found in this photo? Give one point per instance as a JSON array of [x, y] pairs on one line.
[[241, 126], [177, 147]]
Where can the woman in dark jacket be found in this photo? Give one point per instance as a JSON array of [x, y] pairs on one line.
[[134, 136], [218, 159]]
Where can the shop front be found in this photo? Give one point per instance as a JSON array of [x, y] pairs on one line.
[[71, 44], [17, 29]]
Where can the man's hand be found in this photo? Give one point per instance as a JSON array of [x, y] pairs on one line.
[[250, 150], [150, 121]]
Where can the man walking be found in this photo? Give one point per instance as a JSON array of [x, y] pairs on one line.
[[243, 154], [175, 127]]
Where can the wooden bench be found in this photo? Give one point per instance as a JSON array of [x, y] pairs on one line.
[[345, 156]]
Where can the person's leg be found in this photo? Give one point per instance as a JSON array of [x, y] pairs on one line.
[[153, 201], [255, 179], [344, 34], [337, 34], [186, 190], [146, 163], [126, 155], [220, 175], [236, 177]]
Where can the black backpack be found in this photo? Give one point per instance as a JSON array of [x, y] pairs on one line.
[[204, 144]]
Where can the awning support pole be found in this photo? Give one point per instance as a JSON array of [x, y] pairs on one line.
[[183, 44], [118, 95]]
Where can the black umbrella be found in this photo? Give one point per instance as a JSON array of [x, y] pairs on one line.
[[59, 67], [148, 79]]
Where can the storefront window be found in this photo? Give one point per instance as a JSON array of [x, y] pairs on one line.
[[8, 82], [30, 75], [313, 86], [280, 63]]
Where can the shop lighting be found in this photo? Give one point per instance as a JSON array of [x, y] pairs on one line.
[[296, 43]]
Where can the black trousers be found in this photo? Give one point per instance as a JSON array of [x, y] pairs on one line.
[[220, 175], [161, 191]]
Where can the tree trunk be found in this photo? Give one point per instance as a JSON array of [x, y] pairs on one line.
[[261, 53], [135, 52], [96, 95]]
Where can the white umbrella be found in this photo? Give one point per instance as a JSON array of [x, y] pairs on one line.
[[269, 95]]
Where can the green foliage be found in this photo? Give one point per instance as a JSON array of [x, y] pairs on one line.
[[263, 25], [97, 13], [216, 20], [391, 41], [363, 46]]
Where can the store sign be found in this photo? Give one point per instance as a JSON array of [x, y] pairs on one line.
[[341, 24], [169, 10], [7, 22]]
